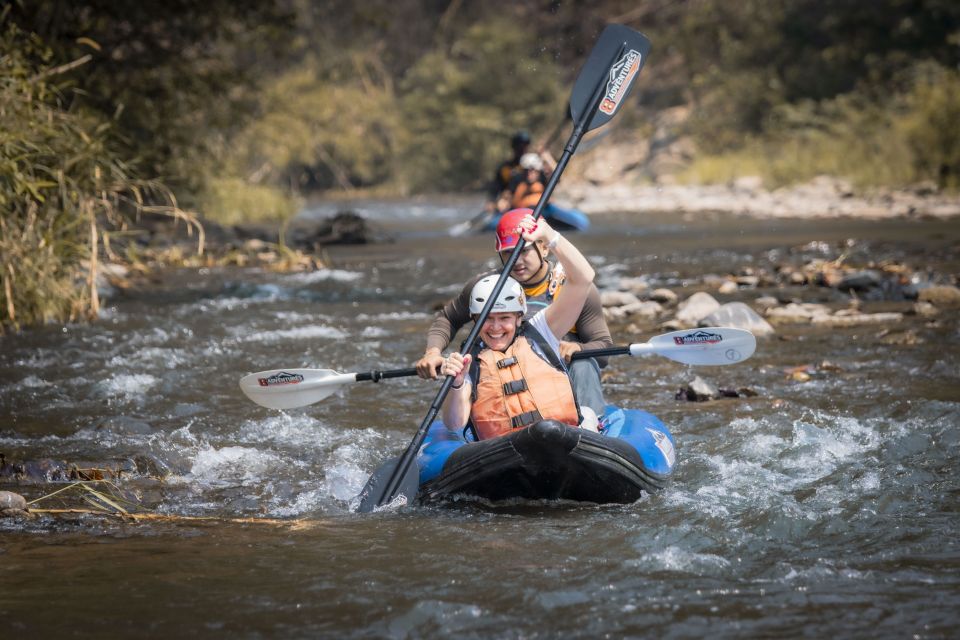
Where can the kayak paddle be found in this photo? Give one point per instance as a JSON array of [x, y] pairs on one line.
[[292, 388]]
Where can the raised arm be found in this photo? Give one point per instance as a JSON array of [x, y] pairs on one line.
[[566, 307]]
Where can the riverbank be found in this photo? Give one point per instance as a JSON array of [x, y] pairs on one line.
[[823, 197]]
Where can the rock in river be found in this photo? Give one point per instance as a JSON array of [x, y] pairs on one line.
[[739, 316]]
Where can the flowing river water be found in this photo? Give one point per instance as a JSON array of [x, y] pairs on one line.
[[820, 508]]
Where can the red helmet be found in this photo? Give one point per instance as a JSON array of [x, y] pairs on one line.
[[507, 236]]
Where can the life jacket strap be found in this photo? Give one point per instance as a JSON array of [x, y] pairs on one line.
[[524, 419]]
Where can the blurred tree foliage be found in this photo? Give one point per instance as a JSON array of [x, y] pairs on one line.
[[459, 106], [837, 87], [240, 106], [174, 77], [65, 190], [414, 95]]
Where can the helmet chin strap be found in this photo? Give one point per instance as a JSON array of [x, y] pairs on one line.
[[543, 262]]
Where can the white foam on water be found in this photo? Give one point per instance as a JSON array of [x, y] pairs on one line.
[[706, 500], [305, 502], [233, 465], [288, 429], [676, 559], [127, 386], [154, 356], [322, 275], [300, 333], [816, 452], [297, 317], [763, 446], [345, 477], [398, 316], [869, 482], [769, 473], [156, 336], [744, 479], [222, 304], [374, 332], [41, 359], [33, 382], [260, 294], [15, 441], [823, 569]]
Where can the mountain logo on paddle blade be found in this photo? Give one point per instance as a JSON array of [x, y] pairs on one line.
[[281, 378], [698, 337], [621, 75]]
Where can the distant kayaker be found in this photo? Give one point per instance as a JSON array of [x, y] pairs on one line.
[[527, 184], [541, 281], [514, 377], [510, 170], [519, 144]]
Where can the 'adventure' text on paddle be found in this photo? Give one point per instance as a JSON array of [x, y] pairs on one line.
[[599, 92]]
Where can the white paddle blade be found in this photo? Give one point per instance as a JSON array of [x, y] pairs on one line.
[[703, 347], [459, 229], [292, 388]]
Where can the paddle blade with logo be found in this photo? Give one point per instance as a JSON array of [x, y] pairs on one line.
[[709, 346], [291, 388], [616, 59]]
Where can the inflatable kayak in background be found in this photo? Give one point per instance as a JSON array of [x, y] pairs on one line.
[[634, 454], [560, 218]]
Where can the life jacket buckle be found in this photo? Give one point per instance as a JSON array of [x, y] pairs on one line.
[[525, 419], [514, 386], [506, 362]]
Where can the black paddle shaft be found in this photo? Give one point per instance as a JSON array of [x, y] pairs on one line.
[[615, 38], [377, 376]]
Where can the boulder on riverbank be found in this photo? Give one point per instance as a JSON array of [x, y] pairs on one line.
[[345, 227]]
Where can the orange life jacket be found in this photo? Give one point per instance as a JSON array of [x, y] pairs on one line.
[[517, 387], [527, 194]]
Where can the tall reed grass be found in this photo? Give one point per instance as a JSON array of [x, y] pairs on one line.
[[63, 190]]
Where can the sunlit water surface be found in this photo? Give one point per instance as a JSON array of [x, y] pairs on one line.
[[828, 507]]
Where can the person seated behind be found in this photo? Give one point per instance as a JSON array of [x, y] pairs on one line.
[[541, 282], [518, 378]]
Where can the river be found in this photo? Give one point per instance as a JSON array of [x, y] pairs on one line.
[[820, 508]]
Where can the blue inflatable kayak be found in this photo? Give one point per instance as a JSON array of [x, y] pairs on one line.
[[560, 218], [634, 454]]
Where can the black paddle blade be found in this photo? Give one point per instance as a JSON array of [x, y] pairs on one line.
[[376, 487], [616, 60]]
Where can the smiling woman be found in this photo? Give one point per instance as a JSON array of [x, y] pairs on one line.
[[517, 377]]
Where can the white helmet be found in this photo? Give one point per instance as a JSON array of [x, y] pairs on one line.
[[511, 297], [531, 161]]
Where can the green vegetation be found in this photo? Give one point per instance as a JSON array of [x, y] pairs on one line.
[[63, 189], [460, 106], [789, 89], [904, 139], [243, 107]]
